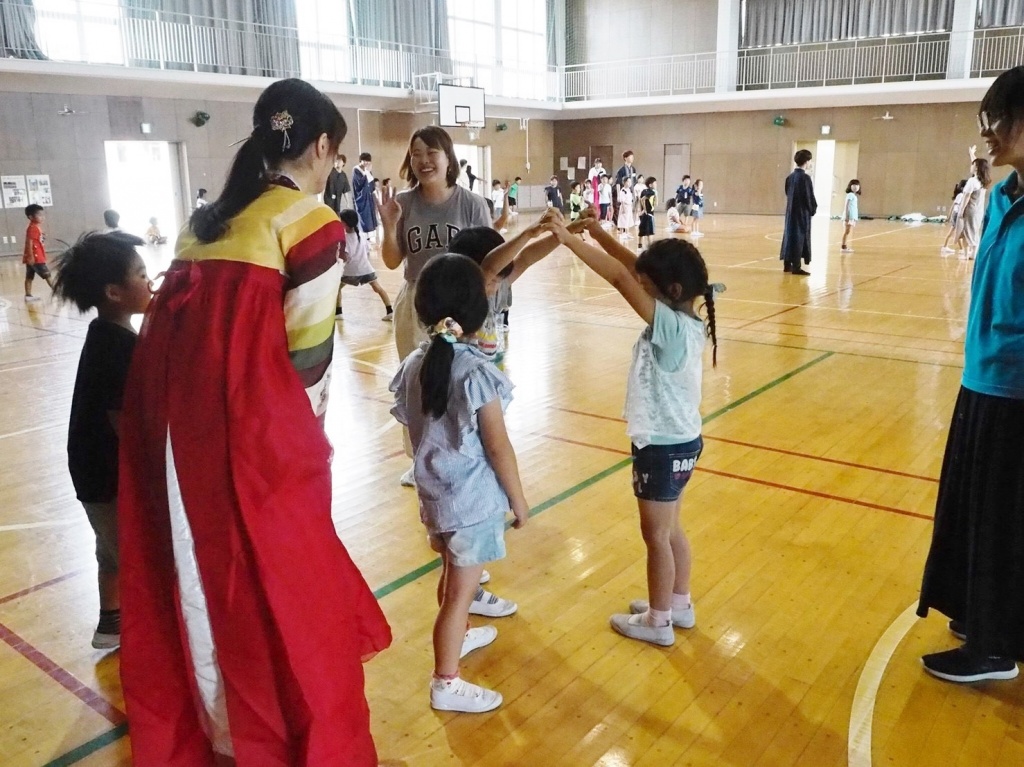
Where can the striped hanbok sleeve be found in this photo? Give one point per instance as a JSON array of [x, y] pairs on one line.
[[311, 236]]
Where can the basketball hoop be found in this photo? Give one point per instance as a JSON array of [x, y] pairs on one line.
[[472, 129]]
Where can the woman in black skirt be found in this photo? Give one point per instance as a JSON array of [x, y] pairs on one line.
[[975, 568]]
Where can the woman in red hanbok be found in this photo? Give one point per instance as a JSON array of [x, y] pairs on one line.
[[245, 622]]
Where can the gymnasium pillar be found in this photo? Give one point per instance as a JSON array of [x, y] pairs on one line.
[[726, 61], [961, 39]]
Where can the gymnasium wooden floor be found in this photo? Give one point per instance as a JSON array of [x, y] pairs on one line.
[[809, 515]]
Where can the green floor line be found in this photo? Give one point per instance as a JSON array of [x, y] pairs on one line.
[[90, 748], [120, 731]]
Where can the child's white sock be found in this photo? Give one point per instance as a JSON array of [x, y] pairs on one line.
[[680, 601], [656, 618]]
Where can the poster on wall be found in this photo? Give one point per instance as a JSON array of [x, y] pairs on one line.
[[39, 192], [15, 192]]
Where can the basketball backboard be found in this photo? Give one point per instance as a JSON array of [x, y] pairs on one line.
[[458, 105]]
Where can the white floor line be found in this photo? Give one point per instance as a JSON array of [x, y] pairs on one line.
[[35, 525], [44, 427], [862, 712]]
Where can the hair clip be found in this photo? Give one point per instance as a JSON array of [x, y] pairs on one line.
[[717, 287], [448, 329], [282, 121]]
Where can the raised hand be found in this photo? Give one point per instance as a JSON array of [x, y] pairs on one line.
[[389, 209]]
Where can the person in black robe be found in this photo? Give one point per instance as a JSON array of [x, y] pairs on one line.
[[800, 206], [338, 190], [363, 184]]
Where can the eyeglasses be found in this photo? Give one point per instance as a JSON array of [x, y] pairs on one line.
[[988, 123]]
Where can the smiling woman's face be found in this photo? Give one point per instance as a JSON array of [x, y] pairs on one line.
[[1004, 139]]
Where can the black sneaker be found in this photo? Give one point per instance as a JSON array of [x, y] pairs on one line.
[[961, 666], [958, 629], [337, 313], [801, 272]]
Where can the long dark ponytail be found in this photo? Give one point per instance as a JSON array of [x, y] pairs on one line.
[[678, 270], [449, 286], [308, 114]]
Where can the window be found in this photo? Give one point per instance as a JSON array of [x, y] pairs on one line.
[[324, 51], [80, 30]]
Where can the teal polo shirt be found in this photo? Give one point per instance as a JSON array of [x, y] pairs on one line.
[[994, 345]]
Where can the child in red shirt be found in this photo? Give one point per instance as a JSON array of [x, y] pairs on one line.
[[35, 254]]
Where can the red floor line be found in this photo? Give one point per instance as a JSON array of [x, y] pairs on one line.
[[766, 483], [808, 456], [38, 586], [763, 319], [821, 458], [63, 677]]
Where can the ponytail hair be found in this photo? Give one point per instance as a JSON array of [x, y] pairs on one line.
[[309, 115], [351, 219], [677, 270], [450, 286]]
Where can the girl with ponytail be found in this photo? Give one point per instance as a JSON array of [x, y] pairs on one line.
[[667, 286], [452, 398], [226, 541]]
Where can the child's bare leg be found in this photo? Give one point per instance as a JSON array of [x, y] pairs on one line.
[[846, 234], [342, 285], [683, 557], [460, 585], [659, 521], [381, 292], [28, 288]]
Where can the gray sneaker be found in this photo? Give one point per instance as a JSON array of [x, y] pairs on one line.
[[684, 619]]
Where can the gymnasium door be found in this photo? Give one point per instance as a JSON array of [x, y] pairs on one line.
[[677, 165], [844, 169], [145, 182]]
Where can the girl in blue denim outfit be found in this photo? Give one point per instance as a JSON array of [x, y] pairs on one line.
[[452, 399], [665, 286]]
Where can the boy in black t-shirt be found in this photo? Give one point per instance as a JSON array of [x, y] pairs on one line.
[[554, 194], [102, 271]]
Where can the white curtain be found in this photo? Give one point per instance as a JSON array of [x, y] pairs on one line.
[[422, 23], [775, 22], [17, 30], [249, 37], [1000, 13]]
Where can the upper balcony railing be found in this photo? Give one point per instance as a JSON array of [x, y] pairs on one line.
[[105, 32]]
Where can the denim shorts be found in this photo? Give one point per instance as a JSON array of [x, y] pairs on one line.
[[660, 472], [474, 545]]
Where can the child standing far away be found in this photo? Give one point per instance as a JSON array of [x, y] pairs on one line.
[[554, 194], [604, 197], [665, 286], [452, 399], [358, 270], [102, 271], [513, 197], [201, 198], [575, 201], [851, 213], [500, 212], [34, 257], [697, 207], [648, 201]]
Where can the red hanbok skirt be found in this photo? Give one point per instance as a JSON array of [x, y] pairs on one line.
[[225, 475]]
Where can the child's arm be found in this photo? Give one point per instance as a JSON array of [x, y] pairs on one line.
[[503, 218], [502, 255], [531, 254], [614, 271], [30, 251], [610, 244], [503, 458]]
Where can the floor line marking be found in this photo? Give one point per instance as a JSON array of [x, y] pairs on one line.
[[862, 711], [756, 481], [38, 525], [62, 676], [40, 586], [904, 228], [32, 429], [89, 747]]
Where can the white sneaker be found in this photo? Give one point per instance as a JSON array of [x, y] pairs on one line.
[[684, 618], [491, 605], [477, 638], [944, 249], [390, 316], [409, 478], [846, 250], [459, 695], [632, 627], [31, 299], [484, 577]]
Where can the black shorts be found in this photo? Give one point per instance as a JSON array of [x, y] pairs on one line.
[[362, 279], [660, 472], [31, 270], [513, 201]]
